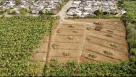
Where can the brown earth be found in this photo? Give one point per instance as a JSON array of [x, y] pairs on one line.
[[81, 42]]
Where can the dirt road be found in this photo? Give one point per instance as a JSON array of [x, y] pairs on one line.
[[62, 15]]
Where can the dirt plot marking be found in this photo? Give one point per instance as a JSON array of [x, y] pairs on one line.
[[102, 41]]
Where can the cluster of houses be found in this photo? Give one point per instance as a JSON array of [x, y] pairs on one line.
[[7, 4], [34, 6], [88, 7], [45, 6]]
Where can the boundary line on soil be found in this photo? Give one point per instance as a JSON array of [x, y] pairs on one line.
[[101, 33], [108, 32], [89, 59], [114, 29], [108, 47], [108, 40], [64, 42], [48, 49], [67, 35], [103, 54]]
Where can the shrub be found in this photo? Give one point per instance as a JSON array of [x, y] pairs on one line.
[[74, 31], [13, 12], [70, 37], [71, 26], [59, 30], [113, 45], [105, 13], [1, 12], [108, 52], [88, 28], [55, 46], [91, 55]]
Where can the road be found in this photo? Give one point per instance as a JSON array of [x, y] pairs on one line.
[[63, 11], [62, 15]]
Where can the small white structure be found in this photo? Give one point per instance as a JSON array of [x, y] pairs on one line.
[[77, 1], [123, 11]]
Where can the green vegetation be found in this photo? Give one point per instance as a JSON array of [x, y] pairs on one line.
[[98, 13], [18, 2], [91, 55], [23, 11], [88, 69], [41, 12], [129, 19], [13, 12], [19, 35], [1, 3], [1, 12]]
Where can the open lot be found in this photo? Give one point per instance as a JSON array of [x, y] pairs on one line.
[[102, 41]]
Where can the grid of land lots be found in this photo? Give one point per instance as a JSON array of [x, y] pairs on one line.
[[104, 41]]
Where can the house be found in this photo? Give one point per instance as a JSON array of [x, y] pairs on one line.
[[77, 1]]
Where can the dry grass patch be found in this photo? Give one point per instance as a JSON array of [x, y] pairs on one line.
[[108, 52], [70, 38], [59, 30], [92, 55], [75, 31], [70, 26], [113, 45], [55, 46], [98, 28], [88, 39], [66, 54], [88, 28]]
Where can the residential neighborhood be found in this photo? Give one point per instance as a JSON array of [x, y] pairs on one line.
[[80, 8], [30, 6], [88, 7]]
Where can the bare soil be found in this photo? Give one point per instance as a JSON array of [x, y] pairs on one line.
[[80, 42]]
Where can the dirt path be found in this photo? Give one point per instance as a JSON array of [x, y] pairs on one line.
[[62, 15]]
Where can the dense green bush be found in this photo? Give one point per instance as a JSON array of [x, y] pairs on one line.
[[1, 12], [87, 69]]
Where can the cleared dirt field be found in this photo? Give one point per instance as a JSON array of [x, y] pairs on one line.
[[103, 40], [105, 43], [68, 38]]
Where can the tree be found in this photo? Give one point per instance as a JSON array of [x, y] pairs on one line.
[[23, 11], [18, 2], [41, 12], [98, 13], [1, 12], [1, 3], [105, 13], [121, 3], [14, 12]]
